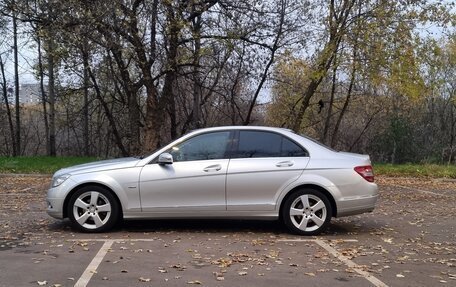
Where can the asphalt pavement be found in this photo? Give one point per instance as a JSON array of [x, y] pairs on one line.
[[409, 240]]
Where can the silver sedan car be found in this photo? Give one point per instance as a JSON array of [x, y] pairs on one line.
[[223, 172]]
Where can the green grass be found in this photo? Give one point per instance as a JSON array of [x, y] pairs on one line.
[[48, 165], [415, 170], [39, 164]]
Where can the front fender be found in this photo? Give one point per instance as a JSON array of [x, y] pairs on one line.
[[126, 189]]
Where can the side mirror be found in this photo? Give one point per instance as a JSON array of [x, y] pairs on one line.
[[165, 158]]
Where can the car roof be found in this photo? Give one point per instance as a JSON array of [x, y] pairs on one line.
[[242, 128]]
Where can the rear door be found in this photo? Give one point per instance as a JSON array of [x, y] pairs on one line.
[[263, 163]]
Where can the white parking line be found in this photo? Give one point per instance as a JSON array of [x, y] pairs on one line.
[[88, 272], [117, 240], [420, 190], [372, 279], [314, 240]]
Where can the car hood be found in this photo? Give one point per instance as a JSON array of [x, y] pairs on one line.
[[99, 166]]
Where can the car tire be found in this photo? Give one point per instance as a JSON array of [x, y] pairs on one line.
[[93, 209], [306, 212]]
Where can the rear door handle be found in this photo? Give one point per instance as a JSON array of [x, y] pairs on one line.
[[285, 163], [215, 167]]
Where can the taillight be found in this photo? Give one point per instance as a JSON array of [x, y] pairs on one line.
[[366, 172]]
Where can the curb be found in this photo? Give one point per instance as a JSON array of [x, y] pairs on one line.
[[24, 175]]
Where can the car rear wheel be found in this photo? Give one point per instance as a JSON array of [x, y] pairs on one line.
[[93, 209], [306, 212]]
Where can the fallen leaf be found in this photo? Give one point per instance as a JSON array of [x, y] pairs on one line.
[[42, 283], [142, 279], [196, 282], [400, 276], [179, 267], [310, 274], [242, 273]]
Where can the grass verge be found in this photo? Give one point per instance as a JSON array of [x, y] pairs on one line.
[[39, 164], [415, 170], [48, 165]]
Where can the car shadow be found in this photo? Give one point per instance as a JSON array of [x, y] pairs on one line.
[[337, 227], [201, 226]]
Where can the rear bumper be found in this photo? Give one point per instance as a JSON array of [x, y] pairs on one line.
[[356, 205]]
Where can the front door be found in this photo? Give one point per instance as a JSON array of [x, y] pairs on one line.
[[195, 181]]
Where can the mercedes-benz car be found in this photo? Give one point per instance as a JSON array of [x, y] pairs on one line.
[[222, 172]]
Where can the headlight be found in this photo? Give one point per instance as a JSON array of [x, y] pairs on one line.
[[56, 181]]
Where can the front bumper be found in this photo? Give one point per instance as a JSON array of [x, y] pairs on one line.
[[55, 207], [55, 200]]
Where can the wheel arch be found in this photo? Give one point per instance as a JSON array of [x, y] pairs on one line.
[[74, 189], [310, 186]]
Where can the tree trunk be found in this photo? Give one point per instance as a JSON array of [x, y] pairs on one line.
[[85, 108], [153, 120], [154, 115], [7, 105], [51, 87], [43, 96], [331, 102], [347, 100], [172, 35], [130, 89], [350, 87], [264, 76], [16, 87], [109, 115], [196, 114], [337, 25]]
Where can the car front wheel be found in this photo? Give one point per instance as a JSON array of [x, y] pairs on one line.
[[93, 209], [306, 212]]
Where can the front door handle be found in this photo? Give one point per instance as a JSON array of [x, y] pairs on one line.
[[215, 167], [285, 163]]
